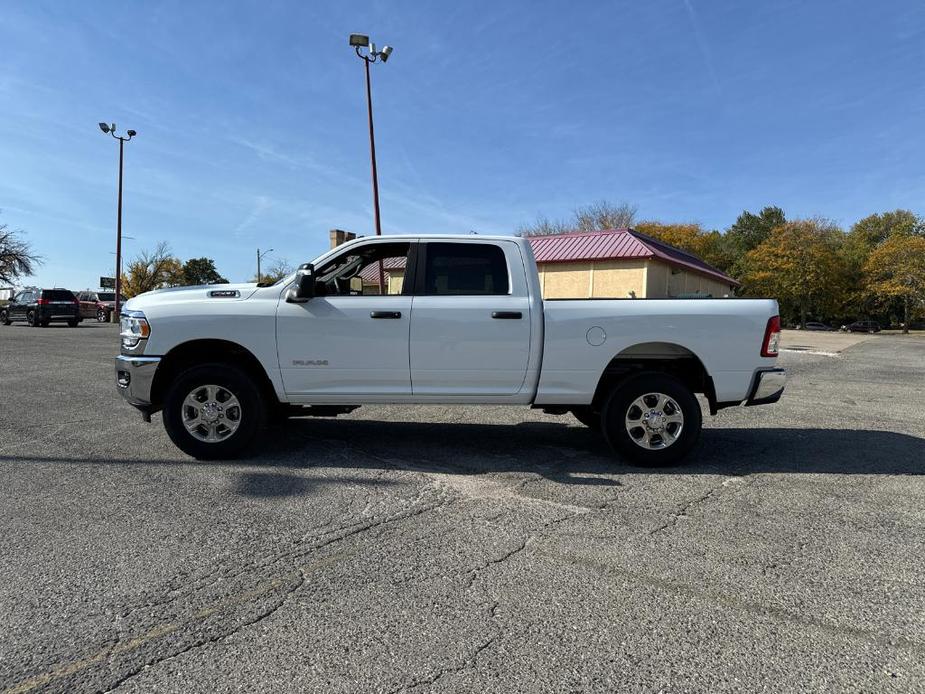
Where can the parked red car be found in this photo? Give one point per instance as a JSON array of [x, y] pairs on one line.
[[98, 305]]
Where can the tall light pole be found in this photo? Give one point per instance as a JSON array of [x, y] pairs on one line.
[[259, 256], [124, 237], [360, 41], [110, 129]]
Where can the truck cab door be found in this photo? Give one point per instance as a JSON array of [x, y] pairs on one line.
[[470, 323], [351, 338]]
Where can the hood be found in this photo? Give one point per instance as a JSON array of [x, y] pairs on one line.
[[180, 295]]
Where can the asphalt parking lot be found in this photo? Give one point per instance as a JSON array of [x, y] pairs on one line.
[[462, 549]]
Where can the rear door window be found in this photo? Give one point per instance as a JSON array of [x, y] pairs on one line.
[[465, 269]]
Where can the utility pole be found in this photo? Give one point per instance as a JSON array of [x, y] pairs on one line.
[[372, 55], [259, 256]]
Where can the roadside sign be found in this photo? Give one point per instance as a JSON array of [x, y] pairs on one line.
[[107, 282]]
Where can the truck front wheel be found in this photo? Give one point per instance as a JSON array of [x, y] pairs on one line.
[[213, 411], [652, 419]]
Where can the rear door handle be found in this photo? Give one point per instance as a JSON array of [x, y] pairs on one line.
[[385, 314], [507, 315]]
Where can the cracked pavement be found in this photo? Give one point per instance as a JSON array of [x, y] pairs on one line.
[[441, 549]]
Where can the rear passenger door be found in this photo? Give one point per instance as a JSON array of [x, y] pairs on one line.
[[470, 320], [18, 305]]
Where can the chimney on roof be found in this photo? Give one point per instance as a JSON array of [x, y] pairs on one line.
[[339, 236]]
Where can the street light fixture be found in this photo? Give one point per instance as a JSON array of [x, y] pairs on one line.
[[110, 129]]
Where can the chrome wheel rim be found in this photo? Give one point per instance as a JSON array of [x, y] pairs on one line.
[[211, 413], [101, 316], [654, 421]]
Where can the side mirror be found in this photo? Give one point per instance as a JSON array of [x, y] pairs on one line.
[[304, 288]]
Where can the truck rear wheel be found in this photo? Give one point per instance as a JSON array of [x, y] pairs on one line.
[[652, 419], [213, 411]]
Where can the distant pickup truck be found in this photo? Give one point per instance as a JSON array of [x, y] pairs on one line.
[[439, 319]]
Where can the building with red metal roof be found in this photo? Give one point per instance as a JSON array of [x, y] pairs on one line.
[[620, 263]]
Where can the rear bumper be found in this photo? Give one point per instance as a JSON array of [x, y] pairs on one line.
[[134, 376], [58, 313], [767, 387]]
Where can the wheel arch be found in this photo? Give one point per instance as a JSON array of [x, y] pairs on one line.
[[663, 357], [208, 351]]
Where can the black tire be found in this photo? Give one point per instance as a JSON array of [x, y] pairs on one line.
[[588, 416], [5, 317], [252, 412], [102, 316], [618, 405], [31, 319], [73, 322]]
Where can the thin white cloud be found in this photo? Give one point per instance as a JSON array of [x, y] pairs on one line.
[[703, 45], [261, 204]]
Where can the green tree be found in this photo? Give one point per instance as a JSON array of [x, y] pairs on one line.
[[868, 233], [750, 230], [896, 269], [747, 233], [800, 265], [865, 236], [201, 271]]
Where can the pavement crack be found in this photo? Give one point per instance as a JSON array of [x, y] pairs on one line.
[[467, 663], [682, 510], [265, 614], [522, 546]]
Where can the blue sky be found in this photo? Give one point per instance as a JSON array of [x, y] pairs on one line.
[[252, 132]]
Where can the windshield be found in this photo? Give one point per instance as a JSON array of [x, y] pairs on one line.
[[106, 296]]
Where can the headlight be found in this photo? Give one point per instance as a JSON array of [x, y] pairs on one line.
[[133, 329]]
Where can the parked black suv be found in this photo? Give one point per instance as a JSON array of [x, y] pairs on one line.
[[38, 307]]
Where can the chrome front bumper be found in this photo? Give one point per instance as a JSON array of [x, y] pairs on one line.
[[134, 376], [767, 387]]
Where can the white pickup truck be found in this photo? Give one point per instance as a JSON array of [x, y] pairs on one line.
[[439, 319]]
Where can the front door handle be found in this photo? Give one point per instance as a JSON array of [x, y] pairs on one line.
[[385, 314], [507, 315]]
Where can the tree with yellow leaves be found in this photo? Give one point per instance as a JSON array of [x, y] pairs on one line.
[[152, 270], [896, 270], [799, 265]]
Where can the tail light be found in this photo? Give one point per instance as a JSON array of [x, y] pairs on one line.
[[42, 301], [771, 338]]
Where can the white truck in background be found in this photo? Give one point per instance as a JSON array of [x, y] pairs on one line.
[[461, 320]]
